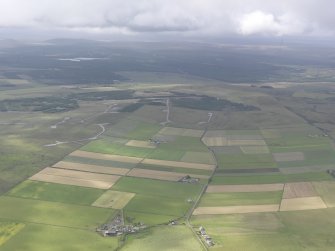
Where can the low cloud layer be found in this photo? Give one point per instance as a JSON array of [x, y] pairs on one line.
[[200, 17]]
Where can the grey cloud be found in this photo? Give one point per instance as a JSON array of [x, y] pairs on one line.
[[216, 17]]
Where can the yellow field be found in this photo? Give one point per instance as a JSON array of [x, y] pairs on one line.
[[305, 203], [72, 181], [299, 189], [113, 199], [244, 188], [91, 168], [103, 156], [8, 230], [141, 143], [76, 178], [161, 175], [181, 132], [178, 164], [236, 209]]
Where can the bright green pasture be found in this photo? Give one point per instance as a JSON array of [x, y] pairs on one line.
[[236, 199], [56, 192], [157, 187], [270, 178], [176, 238], [52, 213], [104, 146], [176, 207], [39, 237]]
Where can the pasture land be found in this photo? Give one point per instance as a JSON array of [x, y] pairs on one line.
[[255, 149], [289, 156], [91, 168], [113, 199], [157, 188], [304, 203], [55, 192], [244, 188], [298, 190], [181, 132], [237, 161], [114, 148], [177, 238], [240, 199], [236, 209], [141, 143], [101, 156], [199, 157], [8, 230], [178, 164], [40, 237], [53, 213], [326, 190], [161, 175]]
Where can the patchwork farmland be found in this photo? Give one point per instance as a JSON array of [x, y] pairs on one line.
[[241, 186]]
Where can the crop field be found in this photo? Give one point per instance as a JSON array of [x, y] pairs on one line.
[[299, 189], [255, 149], [244, 188], [304, 203], [236, 209], [101, 156], [175, 169], [76, 178], [237, 161], [290, 156], [99, 162], [91, 168], [178, 164], [181, 132], [161, 175], [55, 192], [199, 157], [113, 199], [8, 230], [141, 143], [326, 190], [240, 198]]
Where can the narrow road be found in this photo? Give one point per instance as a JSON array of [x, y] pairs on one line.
[[167, 112]]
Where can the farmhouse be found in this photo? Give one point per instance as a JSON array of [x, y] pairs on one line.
[[188, 179]]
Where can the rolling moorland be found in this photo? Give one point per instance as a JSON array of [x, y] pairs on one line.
[[95, 131]]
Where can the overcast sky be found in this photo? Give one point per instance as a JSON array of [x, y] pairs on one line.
[[177, 17]]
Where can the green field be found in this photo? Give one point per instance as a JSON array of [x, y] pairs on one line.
[[8, 230], [174, 169], [56, 192], [177, 238], [270, 178], [157, 188], [236, 199], [104, 146], [37, 237], [52, 213], [232, 161]]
